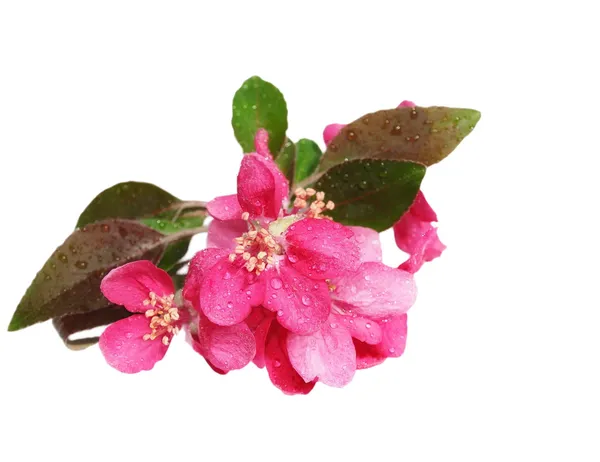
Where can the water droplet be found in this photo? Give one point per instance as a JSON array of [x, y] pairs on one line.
[[367, 277], [333, 325], [351, 135], [63, 258], [227, 275], [248, 292], [316, 286], [292, 257], [280, 313], [413, 114], [306, 301], [363, 185], [273, 295], [229, 305], [81, 264], [254, 106], [396, 130], [368, 325], [276, 283], [276, 364], [332, 147], [105, 228], [383, 173], [391, 350], [365, 120]]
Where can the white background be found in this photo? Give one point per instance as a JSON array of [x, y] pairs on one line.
[[503, 346]]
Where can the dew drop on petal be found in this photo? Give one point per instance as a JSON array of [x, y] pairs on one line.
[[306, 301], [276, 283], [368, 325], [292, 257], [229, 305], [392, 350], [276, 363], [280, 313]]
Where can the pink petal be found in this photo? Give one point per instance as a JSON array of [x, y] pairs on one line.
[[367, 355], [226, 347], [328, 355], [221, 234], [416, 235], [228, 292], [259, 321], [192, 339], [368, 243], [393, 341], [261, 143], [322, 249], [376, 291], [331, 131], [130, 285], [124, 348], [282, 186], [225, 208], [256, 187], [421, 209], [202, 262], [427, 248], [407, 103], [302, 304], [361, 328], [280, 370]]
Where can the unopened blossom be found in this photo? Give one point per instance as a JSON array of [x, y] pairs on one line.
[[414, 232], [138, 342]]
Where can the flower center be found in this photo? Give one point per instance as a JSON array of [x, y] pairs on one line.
[[314, 208], [257, 247], [163, 317]]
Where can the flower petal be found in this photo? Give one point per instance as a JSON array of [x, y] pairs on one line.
[[124, 348], [426, 249], [393, 340], [376, 291], [130, 285], [228, 292], [367, 355], [322, 249], [226, 347], [368, 243], [261, 142], [407, 103], [328, 355], [259, 321], [202, 262], [361, 328], [221, 233], [302, 304], [225, 208], [331, 132], [421, 209], [280, 370], [256, 188]]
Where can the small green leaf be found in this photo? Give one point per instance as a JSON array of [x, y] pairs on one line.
[[371, 193], [259, 104], [176, 251], [127, 200], [286, 158], [424, 135], [69, 281], [308, 155]]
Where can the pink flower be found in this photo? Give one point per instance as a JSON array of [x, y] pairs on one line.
[[416, 235], [366, 325], [138, 342], [413, 232]]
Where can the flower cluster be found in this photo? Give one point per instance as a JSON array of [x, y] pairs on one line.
[[280, 284]]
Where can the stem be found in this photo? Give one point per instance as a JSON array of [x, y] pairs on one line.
[[184, 234]]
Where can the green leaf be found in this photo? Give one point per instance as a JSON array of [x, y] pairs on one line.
[[127, 200], [424, 135], [286, 158], [308, 155], [259, 104], [136, 200], [69, 281], [371, 193]]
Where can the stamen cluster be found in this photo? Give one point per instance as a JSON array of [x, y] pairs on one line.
[[257, 247], [316, 207], [163, 317]]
